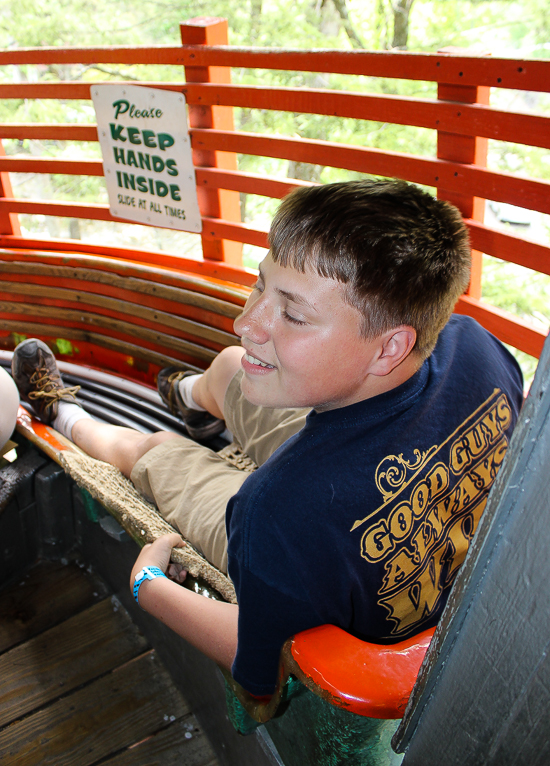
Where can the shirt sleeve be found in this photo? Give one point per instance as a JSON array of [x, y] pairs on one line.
[[267, 617]]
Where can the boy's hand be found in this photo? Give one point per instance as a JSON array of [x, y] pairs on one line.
[[157, 554], [208, 624]]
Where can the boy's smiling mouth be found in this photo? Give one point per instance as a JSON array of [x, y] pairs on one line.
[[257, 362]]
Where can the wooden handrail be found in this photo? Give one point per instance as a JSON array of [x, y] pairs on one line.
[[521, 74], [48, 131], [488, 184], [503, 324], [170, 289], [510, 247], [465, 119]]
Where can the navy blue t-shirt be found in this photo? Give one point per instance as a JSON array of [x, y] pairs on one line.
[[362, 519]]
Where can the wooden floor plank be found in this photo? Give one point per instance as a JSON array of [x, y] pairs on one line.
[[82, 648], [78, 684], [181, 744], [104, 717], [63, 589]]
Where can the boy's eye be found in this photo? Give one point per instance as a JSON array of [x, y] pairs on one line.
[[292, 319], [258, 285]]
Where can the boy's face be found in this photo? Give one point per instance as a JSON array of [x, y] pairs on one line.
[[302, 342]]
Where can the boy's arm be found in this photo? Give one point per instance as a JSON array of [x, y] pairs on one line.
[[209, 625]]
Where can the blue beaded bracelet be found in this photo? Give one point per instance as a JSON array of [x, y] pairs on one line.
[[147, 573]]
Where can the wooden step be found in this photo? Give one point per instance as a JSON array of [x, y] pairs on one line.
[[49, 594], [82, 648], [81, 686], [181, 744]]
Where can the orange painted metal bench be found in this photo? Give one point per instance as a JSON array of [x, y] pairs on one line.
[[373, 680], [369, 680]]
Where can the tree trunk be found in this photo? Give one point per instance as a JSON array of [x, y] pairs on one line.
[[401, 11], [255, 20], [304, 171], [342, 9]]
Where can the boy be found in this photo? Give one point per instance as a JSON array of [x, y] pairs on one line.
[[362, 517]]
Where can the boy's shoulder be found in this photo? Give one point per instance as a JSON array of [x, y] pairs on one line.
[[473, 351]]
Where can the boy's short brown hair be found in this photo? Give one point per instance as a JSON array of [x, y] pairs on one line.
[[403, 255]]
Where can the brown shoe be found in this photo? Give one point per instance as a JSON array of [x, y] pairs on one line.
[[34, 370], [200, 425]]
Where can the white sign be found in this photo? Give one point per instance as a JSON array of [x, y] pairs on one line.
[[146, 151]]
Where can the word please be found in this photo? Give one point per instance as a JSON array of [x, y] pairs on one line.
[[123, 106]]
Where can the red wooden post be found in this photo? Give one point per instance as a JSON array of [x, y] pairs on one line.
[[214, 203], [469, 150], [9, 222]]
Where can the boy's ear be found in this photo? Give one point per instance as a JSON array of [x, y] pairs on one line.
[[395, 347]]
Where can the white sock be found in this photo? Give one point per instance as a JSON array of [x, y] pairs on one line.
[[67, 415], [186, 392]]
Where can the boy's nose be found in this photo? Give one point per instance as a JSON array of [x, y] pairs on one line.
[[253, 323]]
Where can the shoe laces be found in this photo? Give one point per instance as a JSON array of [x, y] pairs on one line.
[[173, 381], [176, 376], [48, 387]]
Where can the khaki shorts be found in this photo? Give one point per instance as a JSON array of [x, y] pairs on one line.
[[191, 484]]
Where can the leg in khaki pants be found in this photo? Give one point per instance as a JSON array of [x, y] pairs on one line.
[[191, 485]]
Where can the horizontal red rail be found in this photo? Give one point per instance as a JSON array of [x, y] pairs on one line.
[[487, 184], [509, 247], [447, 116], [450, 117], [468, 180], [506, 246], [506, 326], [248, 183], [213, 228], [51, 165], [44, 131], [70, 91], [94, 212], [521, 74]]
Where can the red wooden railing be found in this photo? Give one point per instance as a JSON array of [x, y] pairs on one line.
[[461, 115]]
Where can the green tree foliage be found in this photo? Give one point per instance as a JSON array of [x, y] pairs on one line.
[[30, 23]]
